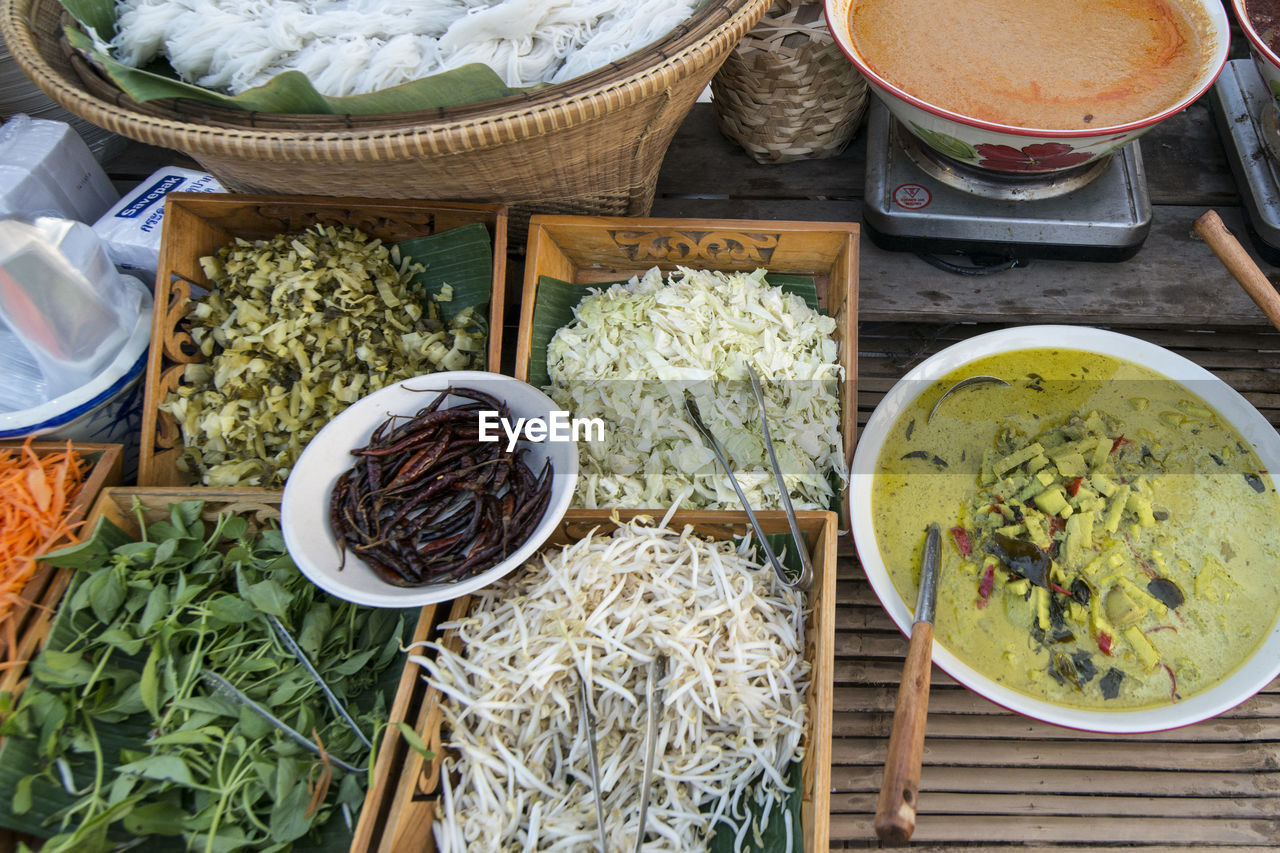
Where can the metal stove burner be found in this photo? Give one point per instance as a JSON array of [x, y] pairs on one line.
[[911, 203], [1246, 117], [985, 183], [1269, 129]]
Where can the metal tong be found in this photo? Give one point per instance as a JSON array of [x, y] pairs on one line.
[[806, 566], [653, 697], [594, 759], [223, 687]]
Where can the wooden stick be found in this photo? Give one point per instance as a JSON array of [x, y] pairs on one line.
[[1240, 264], [895, 819]]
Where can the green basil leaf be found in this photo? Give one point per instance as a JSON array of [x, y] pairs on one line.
[[129, 702], [138, 592], [283, 694], [228, 839], [252, 665], [215, 705], [139, 553], [163, 768], [121, 788], [355, 663], [351, 791], [62, 669], [149, 684], [157, 608], [235, 527], [288, 815], [252, 725], [22, 795], [162, 530], [122, 640], [413, 739], [269, 597], [186, 738], [231, 609], [156, 818], [288, 772], [186, 515], [165, 551], [106, 594], [272, 540], [315, 629]]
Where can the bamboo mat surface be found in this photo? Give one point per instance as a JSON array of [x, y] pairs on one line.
[[994, 779]]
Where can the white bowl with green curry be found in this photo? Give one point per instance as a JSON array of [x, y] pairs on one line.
[[1113, 554]]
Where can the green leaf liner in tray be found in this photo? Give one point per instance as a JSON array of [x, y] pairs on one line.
[[461, 258], [192, 595]]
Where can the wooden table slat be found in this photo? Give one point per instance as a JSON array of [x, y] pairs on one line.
[[1120, 831], [1093, 781], [1112, 805]]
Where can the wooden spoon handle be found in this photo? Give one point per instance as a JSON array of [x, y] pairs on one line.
[[1239, 264], [896, 809]]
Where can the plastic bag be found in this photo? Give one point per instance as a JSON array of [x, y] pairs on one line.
[[62, 301], [46, 169]]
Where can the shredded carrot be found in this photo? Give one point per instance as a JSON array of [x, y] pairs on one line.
[[35, 492]]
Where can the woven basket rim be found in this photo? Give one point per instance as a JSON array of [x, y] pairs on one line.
[[709, 34]]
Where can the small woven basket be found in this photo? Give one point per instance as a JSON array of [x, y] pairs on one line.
[[786, 92], [592, 145]]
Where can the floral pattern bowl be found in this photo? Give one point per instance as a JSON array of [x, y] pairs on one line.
[[1020, 150], [1264, 58]]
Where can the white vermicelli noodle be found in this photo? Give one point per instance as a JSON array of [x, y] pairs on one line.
[[601, 609], [235, 45]]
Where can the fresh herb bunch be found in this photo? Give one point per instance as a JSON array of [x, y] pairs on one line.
[[121, 732]]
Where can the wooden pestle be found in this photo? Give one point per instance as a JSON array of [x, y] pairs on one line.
[[1241, 266]]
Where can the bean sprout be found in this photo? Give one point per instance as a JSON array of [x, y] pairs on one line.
[[516, 774]]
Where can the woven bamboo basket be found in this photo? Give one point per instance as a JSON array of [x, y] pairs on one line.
[[591, 145], [786, 92]]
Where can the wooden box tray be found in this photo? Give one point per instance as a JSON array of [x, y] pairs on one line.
[[33, 612], [198, 224], [262, 507], [410, 798], [589, 251]]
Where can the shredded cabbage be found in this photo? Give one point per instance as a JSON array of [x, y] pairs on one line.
[[632, 351]]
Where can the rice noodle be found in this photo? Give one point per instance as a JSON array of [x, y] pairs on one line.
[[602, 609], [351, 47]]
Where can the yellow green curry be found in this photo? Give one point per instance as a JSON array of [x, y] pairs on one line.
[[1113, 543]]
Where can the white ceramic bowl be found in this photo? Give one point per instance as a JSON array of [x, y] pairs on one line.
[[304, 507], [1006, 148], [1264, 58], [1254, 674]]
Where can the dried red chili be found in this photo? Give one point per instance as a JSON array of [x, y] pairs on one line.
[[427, 500]]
